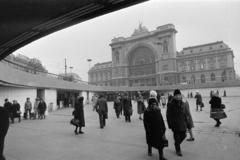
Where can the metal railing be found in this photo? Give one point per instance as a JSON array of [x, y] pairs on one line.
[[41, 73]]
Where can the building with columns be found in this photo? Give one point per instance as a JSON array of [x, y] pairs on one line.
[[149, 58]]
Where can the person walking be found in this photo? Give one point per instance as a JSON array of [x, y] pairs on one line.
[[140, 106], [16, 110], [4, 125], [198, 101], [102, 110], [177, 120], [117, 106], [42, 108], [8, 107], [28, 108], [35, 107], [170, 97], [216, 111], [79, 114], [191, 125], [127, 108], [154, 127]]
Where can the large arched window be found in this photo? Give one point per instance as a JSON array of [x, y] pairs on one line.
[[192, 79], [224, 76], [202, 78], [213, 77], [184, 79]]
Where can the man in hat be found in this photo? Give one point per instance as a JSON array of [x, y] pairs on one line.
[[198, 101], [8, 107], [127, 108], [177, 119], [102, 109]]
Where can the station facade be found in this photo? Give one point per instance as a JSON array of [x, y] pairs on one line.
[[149, 58]]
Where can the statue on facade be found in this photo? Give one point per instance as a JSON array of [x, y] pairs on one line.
[[117, 56], [165, 46]]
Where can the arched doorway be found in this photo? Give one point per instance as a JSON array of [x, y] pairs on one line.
[[141, 63]]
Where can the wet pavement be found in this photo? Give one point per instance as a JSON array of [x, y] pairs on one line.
[[53, 138]]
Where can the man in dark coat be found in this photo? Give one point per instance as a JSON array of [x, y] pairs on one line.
[[154, 127], [16, 110], [127, 108], [102, 109], [8, 107], [177, 119], [198, 101], [42, 108], [79, 114], [4, 125]]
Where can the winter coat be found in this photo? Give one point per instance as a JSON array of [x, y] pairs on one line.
[[101, 106], [79, 113], [140, 105], [177, 116], [154, 127], [215, 102], [117, 105], [127, 106], [16, 107], [4, 122], [42, 107], [191, 125], [8, 106], [198, 99], [35, 107]]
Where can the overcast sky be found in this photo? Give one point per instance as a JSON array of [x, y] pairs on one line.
[[197, 22]]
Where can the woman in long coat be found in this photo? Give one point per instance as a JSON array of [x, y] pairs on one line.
[[154, 127], [16, 110], [42, 108], [79, 114], [216, 112], [140, 106], [117, 106]]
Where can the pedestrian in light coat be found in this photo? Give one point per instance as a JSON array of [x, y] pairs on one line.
[[35, 107], [28, 107], [140, 106]]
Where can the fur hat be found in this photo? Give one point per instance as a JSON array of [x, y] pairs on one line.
[[177, 91], [152, 100], [153, 93]]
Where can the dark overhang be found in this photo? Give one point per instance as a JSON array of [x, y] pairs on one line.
[[24, 21]]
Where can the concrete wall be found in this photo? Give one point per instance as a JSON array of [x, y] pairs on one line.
[[51, 97], [19, 94]]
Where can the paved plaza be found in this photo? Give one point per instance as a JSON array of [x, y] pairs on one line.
[[54, 139]]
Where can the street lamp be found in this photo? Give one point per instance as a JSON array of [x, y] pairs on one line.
[[89, 60]]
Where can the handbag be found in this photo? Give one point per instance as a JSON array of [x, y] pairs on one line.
[[19, 112], [165, 141], [223, 106], [202, 104], [74, 122], [130, 112], [73, 112]]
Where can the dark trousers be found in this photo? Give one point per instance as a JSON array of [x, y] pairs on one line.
[[28, 111], [102, 120], [4, 125], [179, 136], [199, 106], [128, 118]]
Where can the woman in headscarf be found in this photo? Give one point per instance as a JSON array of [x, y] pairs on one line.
[[79, 114], [154, 127], [117, 106], [216, 112]]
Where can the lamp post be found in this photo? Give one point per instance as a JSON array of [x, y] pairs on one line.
[[89, 60], [71, 73]]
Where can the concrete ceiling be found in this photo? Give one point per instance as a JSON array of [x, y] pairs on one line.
[[24, 21]]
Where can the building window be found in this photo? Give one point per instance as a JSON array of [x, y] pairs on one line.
[[224, 76], [191, 51], [213, 77], [200, 49], [221, 46], [210, 48], [202, 78]]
